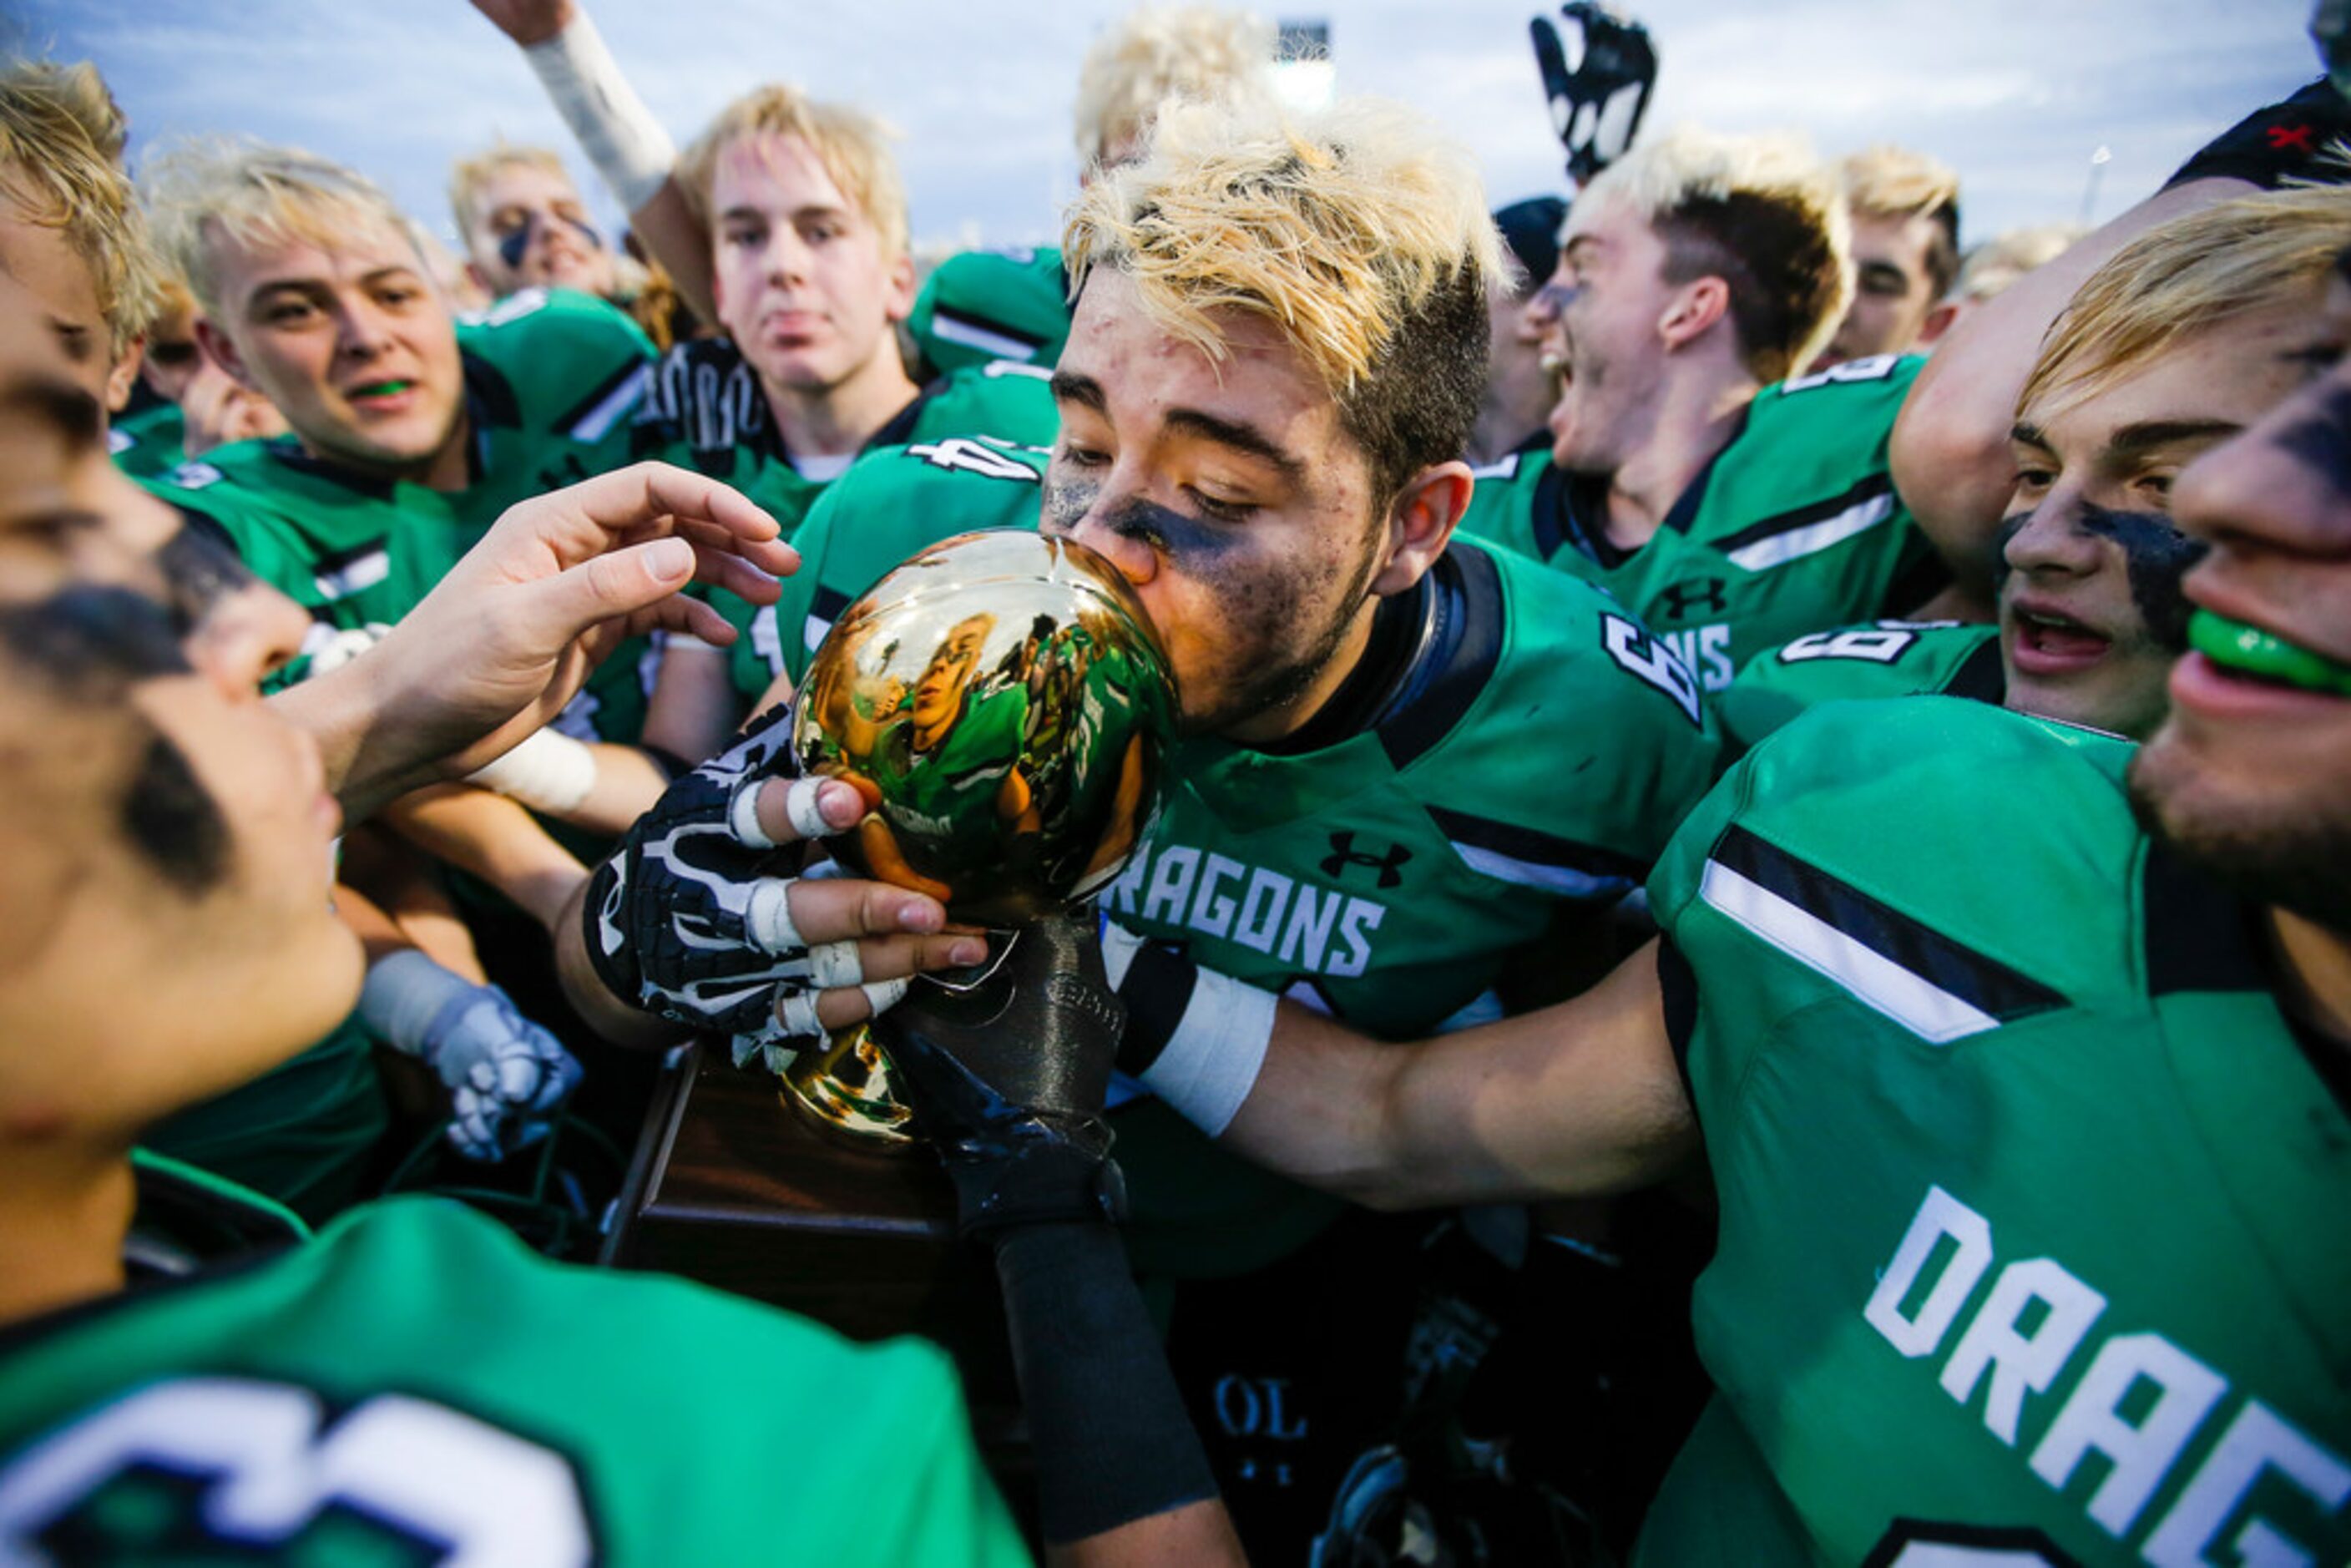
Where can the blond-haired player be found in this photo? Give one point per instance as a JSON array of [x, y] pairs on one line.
[[2189, 335], [70, 226], [1730, 500], [524, 225], [1905, 208]]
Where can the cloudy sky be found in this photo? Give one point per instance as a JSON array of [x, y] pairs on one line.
[[2017, 94]]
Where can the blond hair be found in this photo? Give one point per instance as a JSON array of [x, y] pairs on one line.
[[1161, 52], [2186, 278], [2000, 260], [1359, 230], [467, 176], [257, 197], [1760, 213], [1889, 182], [852, 146], [61, 138]]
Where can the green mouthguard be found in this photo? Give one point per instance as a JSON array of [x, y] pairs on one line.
[[2237, 646]]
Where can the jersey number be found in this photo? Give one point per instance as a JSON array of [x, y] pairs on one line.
[[265, 1465], [1871, 645], [1918, 1543], [1875, 368], [1651, 661], [961, 452]]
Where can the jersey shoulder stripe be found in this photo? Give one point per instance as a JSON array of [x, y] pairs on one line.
[[1810, 530], [1938, 988], [1461, 644], [1511, 852], [612, 400]]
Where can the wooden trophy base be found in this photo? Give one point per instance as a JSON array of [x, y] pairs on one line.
[[734, 1186]]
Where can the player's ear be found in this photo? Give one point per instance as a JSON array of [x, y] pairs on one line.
[[123, 373], [1938, 321], [1420, 524], [901, 292], [218, 348], [1694, 309]]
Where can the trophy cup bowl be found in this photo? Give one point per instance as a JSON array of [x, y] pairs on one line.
[[1003, 705]]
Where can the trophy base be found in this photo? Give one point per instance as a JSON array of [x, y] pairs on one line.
[[844, 1089]]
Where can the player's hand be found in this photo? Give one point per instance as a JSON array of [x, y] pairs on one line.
[[1007, 1076], [217, 409], [1596, 105], [528, 22], [508, 1077], [509, 635], [692, 920]]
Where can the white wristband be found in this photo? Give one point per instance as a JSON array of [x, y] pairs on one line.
[[620, 135], [1217, 1049], [548, 771], [405, 992]]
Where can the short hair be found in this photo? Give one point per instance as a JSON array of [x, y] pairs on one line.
[[469, 176], [259, 196], [1160, 52], [1758, 212], [2185, 278], [852, 145], [1360, 230], [1889, 182], [2000, 260], [61, 138]]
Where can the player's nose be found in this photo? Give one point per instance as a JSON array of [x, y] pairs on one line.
[[2051, 538]]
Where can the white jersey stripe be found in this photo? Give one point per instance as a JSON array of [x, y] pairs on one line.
[[353, 576], [1915, 1003], [973, 336], [1565, 881], [618, 401], [1812, 537]]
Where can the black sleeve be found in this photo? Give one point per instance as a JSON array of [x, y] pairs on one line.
[[2286, 140], [1113, 1444]]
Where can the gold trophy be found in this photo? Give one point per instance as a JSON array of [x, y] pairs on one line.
[[1005, 707]]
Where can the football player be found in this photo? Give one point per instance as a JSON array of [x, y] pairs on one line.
[[413, 1381], [524, 225], [2032, 1165], [2190, 334], [1410, 761], [1729, 502], [1905, 253]]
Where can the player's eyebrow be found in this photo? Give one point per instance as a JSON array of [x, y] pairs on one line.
[[1246, 439], [2025, 434], [1084, 390], [2150, 435]]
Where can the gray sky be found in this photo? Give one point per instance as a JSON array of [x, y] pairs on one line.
[[2016, 94]]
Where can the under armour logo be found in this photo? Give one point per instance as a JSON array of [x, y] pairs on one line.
[[1704, 593], [1343, 854], [2295, 138]]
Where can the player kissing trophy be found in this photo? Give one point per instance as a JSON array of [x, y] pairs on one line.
[[1005, 708]]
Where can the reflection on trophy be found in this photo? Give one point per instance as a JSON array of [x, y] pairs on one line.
[[1004, 706]]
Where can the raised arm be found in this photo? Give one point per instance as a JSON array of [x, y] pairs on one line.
[[628, 146]]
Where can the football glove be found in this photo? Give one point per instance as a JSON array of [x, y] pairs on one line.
[[508, 1077], [1595, 108], [688, 920]]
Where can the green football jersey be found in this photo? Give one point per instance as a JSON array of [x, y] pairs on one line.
[[148, 444], [707, 411], [1793, 528], [986, 305], [304, 1134], [552, 379], [1879, 659], [415, 1386], [2032, 1240], [1526, 745]]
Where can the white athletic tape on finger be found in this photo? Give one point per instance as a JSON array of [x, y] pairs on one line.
[[800, 806], [796, 1014], [743, 819], [883, 995], [834, 964], [769, 919]]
